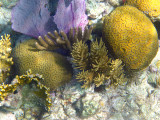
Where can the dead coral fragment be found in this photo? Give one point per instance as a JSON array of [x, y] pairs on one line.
[[51, 42], [5, 59], [96, 67], [27, 79]]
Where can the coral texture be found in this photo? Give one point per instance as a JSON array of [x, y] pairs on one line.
[[131, 36], [54, 67], [150, 7], [5, 59], [96, 67]]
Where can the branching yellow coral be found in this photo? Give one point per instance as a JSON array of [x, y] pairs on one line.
[[100, 69], [80, 55], [27, 79], [5, 59]]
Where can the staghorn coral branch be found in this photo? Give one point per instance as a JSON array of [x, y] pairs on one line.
[[61, 40]]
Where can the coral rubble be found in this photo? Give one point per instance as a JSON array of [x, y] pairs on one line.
[[5, 59], [54, 67], [131, 37]]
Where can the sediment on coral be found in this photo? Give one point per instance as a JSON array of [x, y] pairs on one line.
[[95, 66], [62, 40], [5, 59]]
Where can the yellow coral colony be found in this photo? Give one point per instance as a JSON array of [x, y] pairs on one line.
[[22, 80], [150, 7], [5, 59], [54, 67], [96, 67], [131, 36]]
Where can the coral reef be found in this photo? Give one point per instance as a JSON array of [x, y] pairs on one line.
[[42, 92], [149, 7], [55, 68], [96, 67], [5, 59], [56, 41], [131, 37]]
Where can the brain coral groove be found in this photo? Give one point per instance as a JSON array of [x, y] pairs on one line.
[[54, 68], [149, 7], [131, 36]]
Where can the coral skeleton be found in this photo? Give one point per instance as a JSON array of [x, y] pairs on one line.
[[52, 42], [5, 59], [95, 66], [28, 78]]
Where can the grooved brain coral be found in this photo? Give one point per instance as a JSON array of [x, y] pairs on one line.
[[150, 7], [131, 36], [54, 67]]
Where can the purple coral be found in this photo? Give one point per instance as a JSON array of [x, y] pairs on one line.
[[31, 17], [71, 16]]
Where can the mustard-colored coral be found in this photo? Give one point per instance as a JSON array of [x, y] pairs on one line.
[[55, 68], [149, 7], [5, 59], [43, 92], [96, 67], [131, 37]]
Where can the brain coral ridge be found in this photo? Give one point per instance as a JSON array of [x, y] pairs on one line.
[[131, 36], [54, 68], [150, 7]]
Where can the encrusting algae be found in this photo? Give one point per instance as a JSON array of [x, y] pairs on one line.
[[131, 37], [96, 67], [5, 59]]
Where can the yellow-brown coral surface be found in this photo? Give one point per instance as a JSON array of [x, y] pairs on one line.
[[150, 7], [96, 67], [54, 67], [42, 90], [131, 36], [5, 59]]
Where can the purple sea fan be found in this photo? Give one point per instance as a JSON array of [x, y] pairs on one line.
[[71, 16], [31, 17]]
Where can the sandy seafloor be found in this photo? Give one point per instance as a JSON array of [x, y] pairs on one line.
[[138, 101]]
